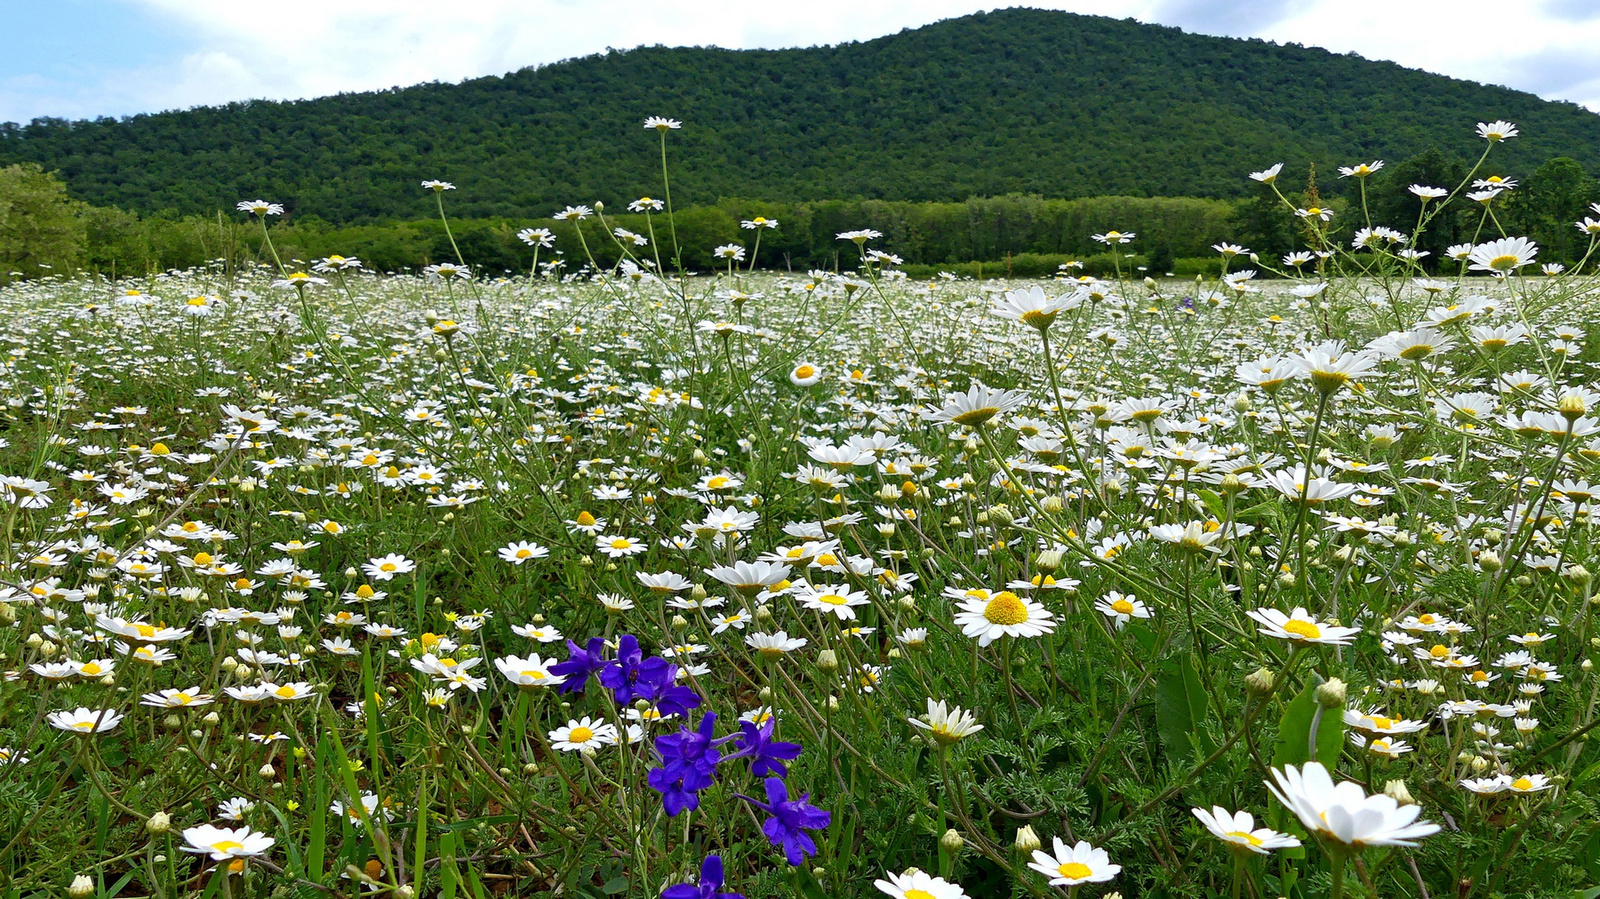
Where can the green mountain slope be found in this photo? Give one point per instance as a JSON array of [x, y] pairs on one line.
[[1017, 100]]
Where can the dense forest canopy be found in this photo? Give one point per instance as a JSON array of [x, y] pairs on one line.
[[1016, 101]]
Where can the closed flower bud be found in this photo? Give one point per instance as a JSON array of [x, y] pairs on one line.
[[1048, 561], [1001, 515], [951, 841], [1577, 575], [827, 661], [763, 613], [268, 771], [679, 622], [1052, 505], [212, 718], [81, 887], [1027, 840], [1396, 790], [1571, 407], [158, 823], [1479, 764], [1489, 560], [1260, 682], [1331, 694]]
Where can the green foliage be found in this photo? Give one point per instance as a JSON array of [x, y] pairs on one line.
[[1016, 100], [39, 226]]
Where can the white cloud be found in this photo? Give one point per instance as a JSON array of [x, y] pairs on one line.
[[307, 48]]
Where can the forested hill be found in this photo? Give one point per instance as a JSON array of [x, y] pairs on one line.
[[1014, 101]]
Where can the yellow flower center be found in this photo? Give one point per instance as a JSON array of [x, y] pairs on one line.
[[717, 483], [286, 692], [1303, 629], [918, 894], [1005, 609], [1522, 783], [145, 630], [585, 519], [1123, 607], [621, 543], [1381, 723], [524, 553], [388, 566], [534, 673], [202, 558], [1504, 262], [365, 591], [833, 599], [1245, 836], [804, 371], [1074, 870], [182, 698], [226, 846], [1439, 651], [91, 668], [580, 735]]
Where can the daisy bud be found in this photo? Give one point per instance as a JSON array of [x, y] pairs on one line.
[[894, 653], [907, 604], [1587, 664], [1260, 682], [1002, 516], [268, 771], [1027, 840], [7, 613], [406, 892], [763, 613], [351, 572], [888, 493], [833, 703], [1489, 560], [1231, 484], [1241, 403], [885, 529], [699, 457], [1052, 505], [679, 622], [764, 694], [47, 649], [1048, 561], [1479, 764], [34, 641], [212, 718], [586, 561], [1149, 282], [1396, 790], [1571, 407], [158, 823], [1523, 580], [81, 887], [172, 722], [951, 841], [1577, 575], [530, 768], [827, 661]]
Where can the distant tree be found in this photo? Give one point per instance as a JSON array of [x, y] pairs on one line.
[[1391, 202], [40, 229], [1546, 206]]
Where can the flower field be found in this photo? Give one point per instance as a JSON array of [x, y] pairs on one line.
[[635, 582]]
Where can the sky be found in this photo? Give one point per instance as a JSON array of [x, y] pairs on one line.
[[80, 59]]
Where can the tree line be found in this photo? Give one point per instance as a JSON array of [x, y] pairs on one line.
[[43, 230]]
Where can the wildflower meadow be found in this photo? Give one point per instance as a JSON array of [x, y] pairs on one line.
[[623, 580]]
